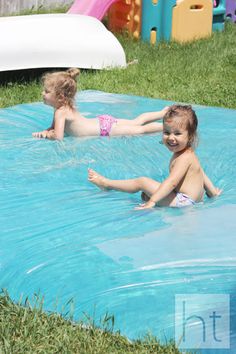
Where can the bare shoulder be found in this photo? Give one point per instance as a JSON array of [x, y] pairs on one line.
[[60, 113], [186, 157], [192, 160], [66, 113]]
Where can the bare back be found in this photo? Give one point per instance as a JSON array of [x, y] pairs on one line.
[[192, 183], [77, 125]]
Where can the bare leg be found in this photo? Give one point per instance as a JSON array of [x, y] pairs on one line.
[[152, 128], [149, 117], [148, 185], [136, 129], [144, 118], [144, 184]]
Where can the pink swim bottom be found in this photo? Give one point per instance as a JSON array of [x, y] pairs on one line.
[[105, 122]]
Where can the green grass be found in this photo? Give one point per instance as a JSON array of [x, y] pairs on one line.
[[26, 328], [202, 72]]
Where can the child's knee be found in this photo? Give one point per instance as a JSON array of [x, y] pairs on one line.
[[142, 181], [143, 129]]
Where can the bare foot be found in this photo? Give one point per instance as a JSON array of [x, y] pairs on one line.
[[145, 197], [97, 179]]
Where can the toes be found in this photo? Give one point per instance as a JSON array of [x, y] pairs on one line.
[[91, 172]]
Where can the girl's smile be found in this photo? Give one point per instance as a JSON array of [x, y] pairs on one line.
[[175, 137]]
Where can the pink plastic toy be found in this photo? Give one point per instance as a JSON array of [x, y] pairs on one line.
[[94, 8]]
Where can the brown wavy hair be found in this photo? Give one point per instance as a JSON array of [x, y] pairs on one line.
[[64, 85]]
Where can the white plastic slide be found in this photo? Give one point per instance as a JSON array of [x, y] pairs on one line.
[[57, 40], [95, 8]]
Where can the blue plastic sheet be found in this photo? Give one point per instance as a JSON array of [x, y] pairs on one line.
[[64, 238]]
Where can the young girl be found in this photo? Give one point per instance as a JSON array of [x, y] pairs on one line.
[[186, 182], [59, 92]]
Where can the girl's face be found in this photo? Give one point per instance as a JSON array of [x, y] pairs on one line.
[[49, 97], [175, 135]]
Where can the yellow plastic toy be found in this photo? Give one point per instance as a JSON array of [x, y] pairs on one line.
[[192, 19]]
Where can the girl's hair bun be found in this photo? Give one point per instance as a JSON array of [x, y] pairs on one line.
[[73, 72]]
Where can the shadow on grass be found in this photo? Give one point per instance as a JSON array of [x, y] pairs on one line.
[[24, 76]]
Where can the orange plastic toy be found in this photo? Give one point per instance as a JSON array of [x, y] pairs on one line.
[[126, 14]]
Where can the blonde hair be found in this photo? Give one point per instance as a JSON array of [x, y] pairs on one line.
[[188, 118], [64, 85]]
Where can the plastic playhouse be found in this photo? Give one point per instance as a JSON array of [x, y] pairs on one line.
[[156, 20], [219, 9], [160, 20]]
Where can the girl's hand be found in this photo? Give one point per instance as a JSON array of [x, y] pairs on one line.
[[214, 193], [218, 192], [147, 205], [42, 134]]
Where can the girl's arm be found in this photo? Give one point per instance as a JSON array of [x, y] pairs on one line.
[[56, 131], [170, 183], [211, 190]]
